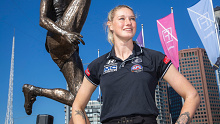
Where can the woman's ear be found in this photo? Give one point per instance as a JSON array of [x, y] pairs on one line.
[[109, 23]]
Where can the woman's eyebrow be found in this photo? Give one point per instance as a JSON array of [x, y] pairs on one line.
[[124, 16]]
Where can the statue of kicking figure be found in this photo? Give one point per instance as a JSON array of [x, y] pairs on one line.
[[64, 20]]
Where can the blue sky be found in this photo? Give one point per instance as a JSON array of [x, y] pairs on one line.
[[33, 65]]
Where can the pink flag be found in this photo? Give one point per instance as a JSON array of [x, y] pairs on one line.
[[168, 38]]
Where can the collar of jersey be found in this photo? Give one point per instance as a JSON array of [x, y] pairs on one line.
[[137, 50]]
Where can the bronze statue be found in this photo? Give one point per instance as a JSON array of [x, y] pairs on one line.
[[64, 20]]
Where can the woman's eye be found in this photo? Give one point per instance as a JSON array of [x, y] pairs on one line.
[[121, 19], [133, 19]]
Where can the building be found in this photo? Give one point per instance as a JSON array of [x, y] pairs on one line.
[[161, 101], [175, 102], [172, 103], [167, 116], [196, 67], [68, 113], [93, 111]]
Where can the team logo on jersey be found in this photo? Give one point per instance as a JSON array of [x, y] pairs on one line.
[[87, 72], [136, 60], [110, 68], [136, 68], [166, 60]]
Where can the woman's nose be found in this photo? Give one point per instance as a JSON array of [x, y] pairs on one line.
[[128, 21]]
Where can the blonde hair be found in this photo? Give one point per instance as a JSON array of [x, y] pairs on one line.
[[111, 15]]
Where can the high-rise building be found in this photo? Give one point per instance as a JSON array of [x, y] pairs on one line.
[[68, 113], [196, 67], [161, 101], [175, 102], [93, 111]]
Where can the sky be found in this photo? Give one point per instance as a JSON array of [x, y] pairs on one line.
[[33, 65]]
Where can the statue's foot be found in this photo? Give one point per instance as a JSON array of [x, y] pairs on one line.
[[30, 98]]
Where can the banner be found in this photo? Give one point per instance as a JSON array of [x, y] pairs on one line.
[[202, 17], [140, 40], [168, 38]]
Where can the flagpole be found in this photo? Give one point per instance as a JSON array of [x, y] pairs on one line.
[[100, 99], [179, 67], [217, 35], [215, 24], [142, 28]]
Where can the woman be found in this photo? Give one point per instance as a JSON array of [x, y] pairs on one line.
[[128, 76]]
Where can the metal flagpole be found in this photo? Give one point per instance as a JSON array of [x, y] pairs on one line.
[[100, 99], [142, 28], [179, 67], [217, 35]]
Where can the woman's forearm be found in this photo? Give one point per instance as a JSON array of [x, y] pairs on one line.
[[79, 116], [82, 98], [189, 108]]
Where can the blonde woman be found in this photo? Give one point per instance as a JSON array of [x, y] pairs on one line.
[[128, 76]]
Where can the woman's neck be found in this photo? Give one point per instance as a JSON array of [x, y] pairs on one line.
[[123, 49]]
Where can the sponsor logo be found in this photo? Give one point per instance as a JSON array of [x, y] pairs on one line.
[[166, 60], [111, 62], [87, 72], [108, 69], [110, 66], [136, 68], [136, 60]]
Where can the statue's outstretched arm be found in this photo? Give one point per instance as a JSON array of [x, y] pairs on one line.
[[50, 25]]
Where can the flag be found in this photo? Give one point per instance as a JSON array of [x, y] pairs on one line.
[[168, 38], [139, 40], [203, 19]]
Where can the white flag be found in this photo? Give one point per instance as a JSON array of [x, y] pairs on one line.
[[203, 19]]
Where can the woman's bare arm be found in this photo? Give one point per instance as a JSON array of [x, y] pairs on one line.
[[185, 89], [82, 98]]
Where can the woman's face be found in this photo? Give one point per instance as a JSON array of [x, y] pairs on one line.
[[123, 24]]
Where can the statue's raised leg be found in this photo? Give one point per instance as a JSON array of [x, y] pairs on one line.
[[73, 73], [31, 92]]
